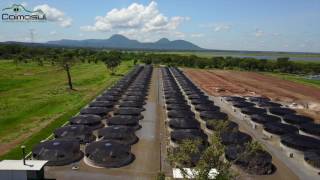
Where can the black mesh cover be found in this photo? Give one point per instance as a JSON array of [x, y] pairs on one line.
[[180, 135], [100, 111], [264, 118], [312, 157], [58, 152], [81, 133], [123, 134], [213, 115], [300, 142], [109, 153], [228, 138], [311, 128], [280, 128]]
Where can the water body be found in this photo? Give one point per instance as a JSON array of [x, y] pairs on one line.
[[273, 57]]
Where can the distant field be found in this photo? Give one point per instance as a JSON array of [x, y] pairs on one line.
[[297, 78], [259, 55], [35, 100]]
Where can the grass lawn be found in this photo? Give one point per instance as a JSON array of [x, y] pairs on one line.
[[296, 78], [35, 100]]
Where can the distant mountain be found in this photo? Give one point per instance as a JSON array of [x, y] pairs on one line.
[[122, 42]]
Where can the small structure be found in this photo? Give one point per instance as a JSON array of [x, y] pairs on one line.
[[18, 170], [189, 173]]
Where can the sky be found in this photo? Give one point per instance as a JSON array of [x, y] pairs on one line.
[[272, 25]]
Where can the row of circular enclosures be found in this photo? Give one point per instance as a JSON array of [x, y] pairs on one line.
[[296, 134], [193, 116], [103, 131]]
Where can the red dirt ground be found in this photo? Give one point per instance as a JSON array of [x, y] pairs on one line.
[[222, 82]]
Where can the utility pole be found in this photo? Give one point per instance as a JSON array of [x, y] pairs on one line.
[[32, 35]]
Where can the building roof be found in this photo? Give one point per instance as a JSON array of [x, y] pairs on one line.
[[17, 165]]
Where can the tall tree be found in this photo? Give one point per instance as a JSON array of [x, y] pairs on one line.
[[66, 59], [112, 60]]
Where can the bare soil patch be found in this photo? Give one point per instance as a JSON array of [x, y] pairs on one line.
[[305, 99]]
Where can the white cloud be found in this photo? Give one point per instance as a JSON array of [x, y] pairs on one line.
[[24, 4], [197, 35], [55, 15], [276, 34], [217, 27], [221, 27], [137, 19], [53, 32], [259, 33]]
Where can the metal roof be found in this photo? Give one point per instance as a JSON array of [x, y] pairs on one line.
[[17, 165]]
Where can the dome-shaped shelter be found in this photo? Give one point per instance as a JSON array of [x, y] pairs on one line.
[[241, 104], [134, 98], [281, 111], [267, 104], [90, 120], [180, 135], [258, 162], [123, 134], [81, 133], [280, 129], [252, 110], [184, 123], [312, 157], [207, 107], [258, 99], [107, 98], [189, 92], [128, 111], [171, 95], [264, 118], [100, 111], [200, 101], [125, 120], [296, 119], [310, 129], [178, 107], [133, 104], [197, 96], [108, 153], [233, 98], [230, 125], [180, 114], [106, 104], [228, 138], [112, 92], [300, 142], [136, 93], [58, 152], [213, 115], [175, 101]]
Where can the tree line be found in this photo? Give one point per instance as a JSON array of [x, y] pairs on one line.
[[283, 64], [21, 53]]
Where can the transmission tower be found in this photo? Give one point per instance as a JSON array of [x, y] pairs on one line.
[[32, 35]]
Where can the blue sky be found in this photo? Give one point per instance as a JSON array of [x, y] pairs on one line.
[[273, 25]]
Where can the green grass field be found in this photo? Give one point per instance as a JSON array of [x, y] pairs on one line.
[[297, 78], [35, 100]]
